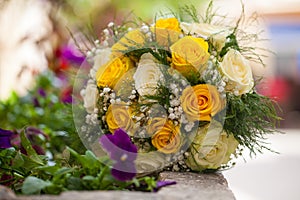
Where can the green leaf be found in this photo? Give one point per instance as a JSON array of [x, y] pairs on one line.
[[48, 169], [29, 163], [89, 160], [63, 171], [88, 178], [74, 183], [18, 161], [29, 150], [9, 152], [33, 185]]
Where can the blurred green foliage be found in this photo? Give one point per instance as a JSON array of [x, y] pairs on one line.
[[42, 108]]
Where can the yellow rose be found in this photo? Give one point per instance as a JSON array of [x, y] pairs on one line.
[[155, 124], [211, 148], [110, 73], [134, 38], [238, 72], [168, 23], [119, 116], [167, 139], [201, 102], [189, 54], [166, 31]]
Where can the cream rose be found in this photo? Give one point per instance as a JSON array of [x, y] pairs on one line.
[[147, 163], [147, 75], [211, 147], [102, 57], [90, 96], [217, 34], [238, 71]]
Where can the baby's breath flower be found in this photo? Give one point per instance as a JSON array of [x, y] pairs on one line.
[[172, 116], [110, 24], [106, 90], [106, 32], [105, 43], [145, 28]]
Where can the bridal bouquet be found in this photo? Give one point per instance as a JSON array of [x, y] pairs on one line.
[[181, 89]]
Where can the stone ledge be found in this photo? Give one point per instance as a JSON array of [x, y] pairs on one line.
[[196, 186], [192, 186]]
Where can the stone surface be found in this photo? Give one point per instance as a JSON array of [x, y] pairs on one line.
[[196, 186], [6, 193], [192, 186]]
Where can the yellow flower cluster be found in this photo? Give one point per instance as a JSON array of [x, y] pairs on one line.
[[177, 61]]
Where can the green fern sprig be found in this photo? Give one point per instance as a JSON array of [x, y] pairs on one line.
[[250, 118]]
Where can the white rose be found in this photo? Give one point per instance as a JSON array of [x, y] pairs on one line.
[[147, 163], [211, 148], [232, 145], [90, 97], [238, 71], [147, 75], [101, 58], [217, 34]]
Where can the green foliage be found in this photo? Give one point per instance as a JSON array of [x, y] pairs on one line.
[[70, 168], [189, 12], [230, 43], [250, 118], [47, 113], [32, 174]]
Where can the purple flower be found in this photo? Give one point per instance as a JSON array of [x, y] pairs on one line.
[[5, 136], [66, 95], [124, 171], [36, 138], [160, 184], [123, 152], [42, 92], [72, 54]]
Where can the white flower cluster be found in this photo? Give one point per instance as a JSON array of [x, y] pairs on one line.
[[213, 76], [176, 162], [175, 111], [92, 52], [108, 97]]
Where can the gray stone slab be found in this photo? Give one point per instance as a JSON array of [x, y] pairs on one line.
[[212, 186], [192, 186], [6, 193]]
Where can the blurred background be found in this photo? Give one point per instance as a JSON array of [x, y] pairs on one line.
[[35, 36]]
